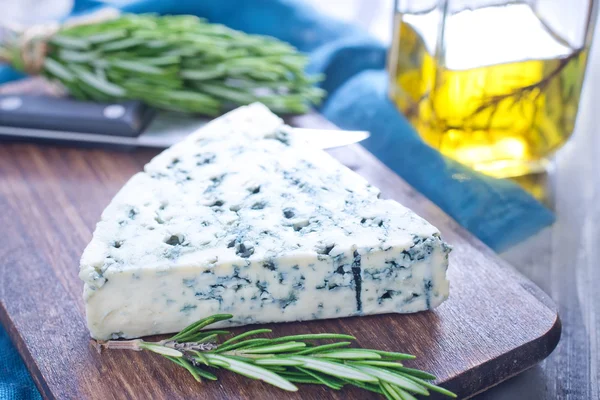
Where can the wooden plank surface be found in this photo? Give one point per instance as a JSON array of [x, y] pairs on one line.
[[494, 325], [563, 261]]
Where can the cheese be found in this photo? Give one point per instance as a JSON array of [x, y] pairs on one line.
[[242, 217]]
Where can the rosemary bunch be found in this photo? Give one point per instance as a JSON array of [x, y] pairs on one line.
[[174, 62], [286, 360]]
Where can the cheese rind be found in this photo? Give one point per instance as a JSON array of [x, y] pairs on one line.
[[244, 218]]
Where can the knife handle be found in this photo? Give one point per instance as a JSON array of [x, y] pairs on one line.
[[127, 118]]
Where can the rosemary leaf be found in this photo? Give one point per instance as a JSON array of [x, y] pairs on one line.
[[245, 335], [245, 343], [183, 363], [199, 357], [203, 75], [76, 56], [350, 354], [253, 371], [222, 363], [335, 369], [165, 351], [278, 348], [196, 326], [394, 356], [314, 336], [98, 84], [378, 363], [245, 359], [364, 385], [133, 66], [206, 339], [274, 368], [67, 42], [225, 93], [327, 381], [301, 379], [414, 373], [121, 44], [56, 69], [278, 361], [324, 347], [162, 60], [200, 336], [404, 394], [106, 36], [395, 379], [429, 385], [205, 374], [389, 392]]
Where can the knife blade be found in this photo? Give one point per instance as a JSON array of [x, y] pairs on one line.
[[126, 124]]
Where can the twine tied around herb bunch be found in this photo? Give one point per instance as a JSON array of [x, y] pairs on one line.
[[172, 62], [32, 46], [31, 43]]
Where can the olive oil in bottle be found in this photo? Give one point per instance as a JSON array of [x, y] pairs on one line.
[[494, 88]]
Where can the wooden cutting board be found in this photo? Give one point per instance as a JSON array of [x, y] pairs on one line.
[[495, 324]]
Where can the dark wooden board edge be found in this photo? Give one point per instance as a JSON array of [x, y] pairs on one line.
[[534, 352], [504, 367]]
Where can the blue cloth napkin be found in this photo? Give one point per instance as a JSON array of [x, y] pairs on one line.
[[15, 381], [497, 211]]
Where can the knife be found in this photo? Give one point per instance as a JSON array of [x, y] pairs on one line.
[[126, 123]]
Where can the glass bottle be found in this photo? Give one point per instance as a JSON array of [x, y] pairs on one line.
[[492, 84]]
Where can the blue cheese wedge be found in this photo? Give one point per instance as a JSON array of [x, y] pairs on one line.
[[244, 218]]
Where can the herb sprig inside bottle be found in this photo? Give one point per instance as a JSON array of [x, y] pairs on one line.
[[286, 360]]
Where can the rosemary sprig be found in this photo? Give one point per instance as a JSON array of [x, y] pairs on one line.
[[286, 360], [172, 62]]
